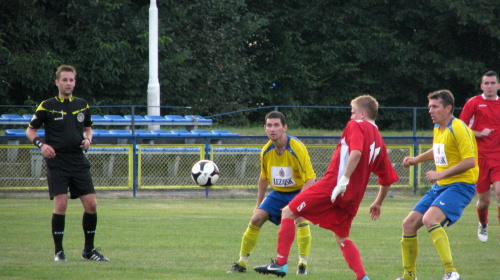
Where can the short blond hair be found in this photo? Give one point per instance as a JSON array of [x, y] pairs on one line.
[[368, 104], [64, 68]]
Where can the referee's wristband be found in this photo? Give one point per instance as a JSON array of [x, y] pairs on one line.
[[38, 142]]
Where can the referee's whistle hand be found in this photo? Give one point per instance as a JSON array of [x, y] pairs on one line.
[[48, 151]]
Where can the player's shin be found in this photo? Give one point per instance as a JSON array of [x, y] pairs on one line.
[[409, 252], [353, 258], [304, 241], [248, 242], [286, 235], [442, 244]]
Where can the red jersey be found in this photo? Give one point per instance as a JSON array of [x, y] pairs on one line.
[[365, 137], [480, 113]]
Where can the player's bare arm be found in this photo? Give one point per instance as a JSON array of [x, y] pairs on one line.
[[376, 207], [46, 149], [461, 167], [261, 192], [425, 156], [308, 183], [87, 134]]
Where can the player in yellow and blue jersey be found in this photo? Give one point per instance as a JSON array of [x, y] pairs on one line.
[[455, 154], [287, 168]]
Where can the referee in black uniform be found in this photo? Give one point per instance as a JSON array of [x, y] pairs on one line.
[[68, 132]]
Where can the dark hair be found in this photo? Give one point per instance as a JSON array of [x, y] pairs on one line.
[[275, 115], [490, 74], [368, 104], [65, 68], [446, 97]]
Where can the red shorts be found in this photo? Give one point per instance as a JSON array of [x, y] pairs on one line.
[[489, 172], [315, 205]]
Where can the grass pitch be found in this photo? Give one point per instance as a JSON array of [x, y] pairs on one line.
[[200, 239]]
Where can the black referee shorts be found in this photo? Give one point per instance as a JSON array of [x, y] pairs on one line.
[[79, 182]]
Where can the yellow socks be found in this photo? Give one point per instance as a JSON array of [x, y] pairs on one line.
[[304, 241], [248, 242], [409, 251], [442, 245]]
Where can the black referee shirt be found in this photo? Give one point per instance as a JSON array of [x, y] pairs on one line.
[[63, 121]]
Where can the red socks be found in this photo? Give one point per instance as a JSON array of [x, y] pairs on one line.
[[483, 216], [353, 259], [286, 235]]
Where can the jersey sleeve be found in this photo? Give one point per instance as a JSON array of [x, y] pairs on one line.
[[385, 172], [88, 117], [464, 140], [355, 138], [263, 168], [307, 167], [467, 112], [39, 117]]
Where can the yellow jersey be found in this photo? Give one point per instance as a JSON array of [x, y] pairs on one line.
[[451, 146], [289, 171]]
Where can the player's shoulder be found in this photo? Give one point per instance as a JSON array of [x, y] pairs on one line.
[[48, 104], [267, 147], [79, 100], [474, 99], [296, 144], [293, 140], [459, 125]]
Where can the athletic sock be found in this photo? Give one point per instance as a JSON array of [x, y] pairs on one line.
[[304, 241], [58, 222], [498, 215], [248, 242], [482, 215], [89, 224], [353, 258], [286, 235], [442, 244], [409, 252]]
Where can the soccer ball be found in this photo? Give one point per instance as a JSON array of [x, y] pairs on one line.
[[205, 173]]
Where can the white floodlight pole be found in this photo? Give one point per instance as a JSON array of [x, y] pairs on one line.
[[153, 84]]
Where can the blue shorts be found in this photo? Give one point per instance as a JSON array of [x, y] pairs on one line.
[[451, 199], [275, 202]]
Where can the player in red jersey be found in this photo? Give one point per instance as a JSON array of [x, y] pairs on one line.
[[482, 114], [360, 152]]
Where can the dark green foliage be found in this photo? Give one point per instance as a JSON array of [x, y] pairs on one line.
[[230, 55]]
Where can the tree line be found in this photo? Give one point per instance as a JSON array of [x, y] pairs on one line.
[[228, 55]]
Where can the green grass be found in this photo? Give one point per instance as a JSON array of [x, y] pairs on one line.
[[185, 239]]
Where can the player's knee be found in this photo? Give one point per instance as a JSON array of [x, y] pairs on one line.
[[287, 213], [409, 225]]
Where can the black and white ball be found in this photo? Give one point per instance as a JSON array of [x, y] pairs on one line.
[[205, 173]]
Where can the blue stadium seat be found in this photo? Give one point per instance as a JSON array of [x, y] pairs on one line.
[[160, 132], [100, 132], [137, 118], [155, 118], [224, 133], [15, 132], [41, 132], [98, 119], [12, 117], [181, 132], [140, 132], [176, 118], [27, 117], [120, 132], [197, 118], [114, 118], [201, 132]]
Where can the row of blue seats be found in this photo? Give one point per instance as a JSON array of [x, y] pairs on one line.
[[125, 133], [118, 119]]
